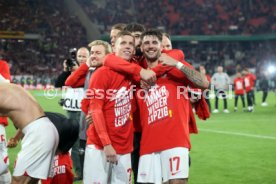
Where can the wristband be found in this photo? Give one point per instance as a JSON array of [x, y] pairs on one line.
[[179, 65]]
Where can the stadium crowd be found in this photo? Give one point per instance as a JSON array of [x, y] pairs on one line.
[[51, 21], [187, 17]]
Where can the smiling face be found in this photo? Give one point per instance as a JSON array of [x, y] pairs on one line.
[[97, 52], [124, 47], [151, 47]]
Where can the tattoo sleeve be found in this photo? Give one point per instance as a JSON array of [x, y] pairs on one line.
[[195, 77]]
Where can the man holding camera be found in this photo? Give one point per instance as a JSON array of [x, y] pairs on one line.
[[72, 97]]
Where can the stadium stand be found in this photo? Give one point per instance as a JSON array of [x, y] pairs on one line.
[[187, 17], [59, 31]]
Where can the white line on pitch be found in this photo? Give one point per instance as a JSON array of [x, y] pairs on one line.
[[238, 133]]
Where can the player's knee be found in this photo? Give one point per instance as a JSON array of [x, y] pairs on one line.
[[179, 181], [24, 179]]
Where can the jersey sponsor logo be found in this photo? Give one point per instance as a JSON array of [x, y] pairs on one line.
[[157, 103]]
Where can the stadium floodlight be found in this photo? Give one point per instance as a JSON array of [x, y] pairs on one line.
[[271, 69]]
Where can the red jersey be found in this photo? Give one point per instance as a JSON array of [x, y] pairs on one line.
[[61, 172], [253, 77], [5, 72], [239, 86], [249, 82], [111, 108], [164, 113]]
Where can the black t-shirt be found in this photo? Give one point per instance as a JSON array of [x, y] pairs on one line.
[[68, 130]]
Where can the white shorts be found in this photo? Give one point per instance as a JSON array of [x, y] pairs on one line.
[[162, 166], [4, 162], [97, 170], [38, 148]]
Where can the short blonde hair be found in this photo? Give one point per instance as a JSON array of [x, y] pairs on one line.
[[106, 45], [119, 26]]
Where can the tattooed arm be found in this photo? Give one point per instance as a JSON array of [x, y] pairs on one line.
[[194, 76]]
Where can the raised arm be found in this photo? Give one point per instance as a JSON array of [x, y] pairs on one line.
[[198, 79], [120, 65], [161, 69], [77, 78]]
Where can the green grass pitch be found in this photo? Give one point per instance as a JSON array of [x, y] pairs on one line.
[[238, 147]]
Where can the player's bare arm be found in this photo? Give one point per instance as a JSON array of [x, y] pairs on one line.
[[14, 140], [194, 76]]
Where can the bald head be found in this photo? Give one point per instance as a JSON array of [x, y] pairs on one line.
[[82, 55]]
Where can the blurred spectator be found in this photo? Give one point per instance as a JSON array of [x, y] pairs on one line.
[[239, 90], [264, 86], [221, 82], [249, 81]]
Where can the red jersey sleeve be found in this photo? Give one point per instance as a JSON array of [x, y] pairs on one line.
[[77, 78], [85, 105], [202, 109], [5, 70], [192, 122], [173, 72], [97, 98], [122, 66], [176, 54]]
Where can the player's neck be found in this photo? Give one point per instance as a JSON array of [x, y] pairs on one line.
[[152, 64]]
